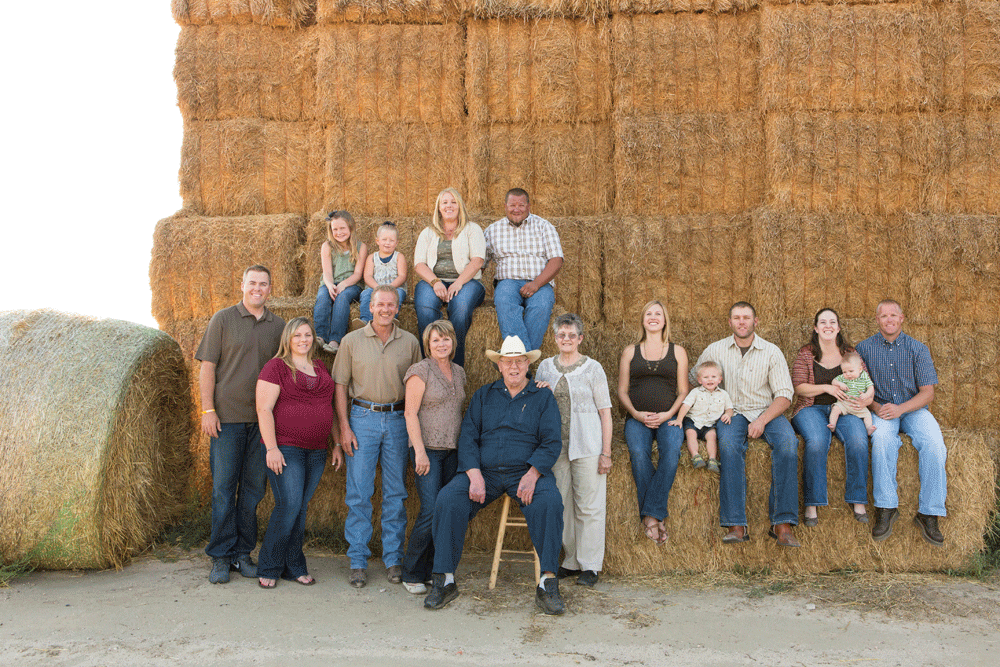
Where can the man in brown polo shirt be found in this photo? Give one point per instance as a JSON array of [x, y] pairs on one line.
[[238, 342], [369, 372]]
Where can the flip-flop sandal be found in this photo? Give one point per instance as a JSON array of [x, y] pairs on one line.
[[652, 531], [663, 536], [260, 583]]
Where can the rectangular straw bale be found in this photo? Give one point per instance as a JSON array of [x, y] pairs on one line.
[[807, 260], [855, 58], [837, 543], [698, 265], [689, 163], [198, 263], [567, 168], [682, 6], [547, 70], [981, 50], [263, 12], [677, 63], [392, 168], [250, 166], [579, 285], [188, 334], [391, 73], [387, 11], [881, 163], [245, 70], [954, 267]]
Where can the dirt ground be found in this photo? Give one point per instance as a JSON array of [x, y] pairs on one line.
[[163, 611]]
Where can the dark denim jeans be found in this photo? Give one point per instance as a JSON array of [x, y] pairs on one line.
[[281, 553], [652, 485], [811, 424], [783, 502], [418, 562], [236, 458], [332, 318], [460, 309]]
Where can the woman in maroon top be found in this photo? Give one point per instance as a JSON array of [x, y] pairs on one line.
[[816, 365], [295, 413]]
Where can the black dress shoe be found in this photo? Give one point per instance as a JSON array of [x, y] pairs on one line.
[[547, 597], [440, 594], [566, 572], [929, 528], [883, 524], [587, 578]]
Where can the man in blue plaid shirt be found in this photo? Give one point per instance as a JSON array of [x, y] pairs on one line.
[[904, 378]]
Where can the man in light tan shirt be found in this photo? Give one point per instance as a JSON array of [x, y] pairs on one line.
[[757, 379], [369, 371]]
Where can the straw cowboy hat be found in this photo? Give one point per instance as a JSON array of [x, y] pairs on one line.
[[513, 347]]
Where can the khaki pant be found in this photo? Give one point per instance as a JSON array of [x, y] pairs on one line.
[[584, 494]]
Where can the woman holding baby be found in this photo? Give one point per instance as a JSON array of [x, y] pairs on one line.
[[814, 372]]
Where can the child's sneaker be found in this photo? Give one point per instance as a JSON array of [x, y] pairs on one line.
[[713, 465], [697, 461]]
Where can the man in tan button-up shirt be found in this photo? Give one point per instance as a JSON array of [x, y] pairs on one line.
[[369, 371], [757, 378]]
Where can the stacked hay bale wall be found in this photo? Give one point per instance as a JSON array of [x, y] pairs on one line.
[[795, 155], [94, 426]]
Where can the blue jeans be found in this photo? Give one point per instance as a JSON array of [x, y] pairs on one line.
[[333, 318], [925, 433], [381, 439], [454, 509], [281, 554], [783, 501], [418, 563], [236, 458], [652, 485], [366, 299], [525, 318], [460, 309], [811, 424]]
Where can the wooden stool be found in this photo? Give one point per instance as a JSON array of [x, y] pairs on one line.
[[515, 522]]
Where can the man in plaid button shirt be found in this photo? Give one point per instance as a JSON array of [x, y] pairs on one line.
[[528, 256], [904, 378]]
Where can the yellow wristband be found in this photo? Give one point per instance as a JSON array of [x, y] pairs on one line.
[[205, 412]]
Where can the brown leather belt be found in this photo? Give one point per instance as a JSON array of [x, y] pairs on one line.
[[377, 407]]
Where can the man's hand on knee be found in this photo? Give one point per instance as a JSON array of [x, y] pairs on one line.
[[526, 487], [477, 485]]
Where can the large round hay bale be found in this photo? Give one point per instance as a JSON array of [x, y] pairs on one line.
[[95, 419]]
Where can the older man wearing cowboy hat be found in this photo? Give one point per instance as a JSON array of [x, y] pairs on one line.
[[511, 437]]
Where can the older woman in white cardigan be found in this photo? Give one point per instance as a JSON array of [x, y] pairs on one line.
[[449, 259], [581, 390]]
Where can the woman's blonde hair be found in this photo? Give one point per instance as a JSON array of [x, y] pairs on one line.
[[334, 245], [463, 218], [442, 328], [285, 347], [666, 320]]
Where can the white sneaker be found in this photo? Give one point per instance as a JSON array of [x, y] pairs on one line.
[[416, 589]]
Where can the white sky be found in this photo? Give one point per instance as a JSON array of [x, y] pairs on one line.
[[90, 153]]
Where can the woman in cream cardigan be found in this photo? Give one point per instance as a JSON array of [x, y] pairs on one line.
[[581, 389], [448, 259]]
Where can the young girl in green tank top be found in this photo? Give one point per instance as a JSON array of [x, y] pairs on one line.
[[343, 259]]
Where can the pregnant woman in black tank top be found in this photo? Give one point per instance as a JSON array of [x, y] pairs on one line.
[[652, 382]]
